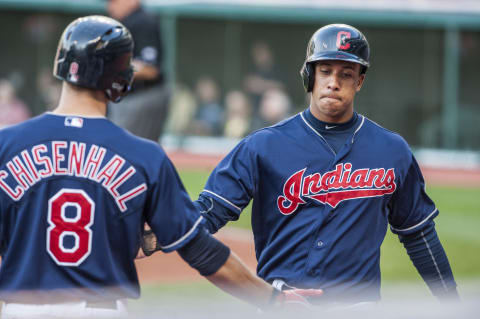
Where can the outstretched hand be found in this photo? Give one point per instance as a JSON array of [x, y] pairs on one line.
[[297, 298]]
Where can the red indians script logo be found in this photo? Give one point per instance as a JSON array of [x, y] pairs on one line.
[[335, 186]]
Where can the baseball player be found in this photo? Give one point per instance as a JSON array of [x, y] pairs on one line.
[[325, 185], [75, 191]]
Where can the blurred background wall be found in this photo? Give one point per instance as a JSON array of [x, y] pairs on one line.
[[423, 82]]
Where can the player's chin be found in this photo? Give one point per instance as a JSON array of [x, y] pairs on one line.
[[333, 109]]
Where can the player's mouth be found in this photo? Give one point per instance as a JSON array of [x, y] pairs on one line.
[[331, 96]]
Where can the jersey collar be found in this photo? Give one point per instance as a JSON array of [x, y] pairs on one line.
[[359, 121]]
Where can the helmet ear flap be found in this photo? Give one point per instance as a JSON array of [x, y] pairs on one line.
[[308, 76]]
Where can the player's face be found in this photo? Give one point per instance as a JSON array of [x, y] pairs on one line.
[[336, 83]]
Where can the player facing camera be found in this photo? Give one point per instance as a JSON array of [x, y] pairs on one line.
[[95, 52], [334, 70]]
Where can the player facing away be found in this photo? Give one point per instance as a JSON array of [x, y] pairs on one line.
[[326, 183], [76, 190]]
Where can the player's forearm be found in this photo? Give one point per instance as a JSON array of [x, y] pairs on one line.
[[144, 71], [430, 259], [235, 278], [218, 264]]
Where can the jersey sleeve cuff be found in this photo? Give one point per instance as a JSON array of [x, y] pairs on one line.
[[225, 202], [416, 227], [182, 241]]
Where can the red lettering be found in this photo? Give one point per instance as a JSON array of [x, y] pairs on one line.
[[288, 203], [375, 177], [110, 170], [334, 178], [94, 158], [120, 180], [358, 178], [312, 184], [42, 160], [389, 180], [33, 170], [129, 195], [58, 157], [354, 185], [19, 172], [14, 194], [76, 156], [345, 176]]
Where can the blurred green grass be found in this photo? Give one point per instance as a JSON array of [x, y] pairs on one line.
[[458, 226]]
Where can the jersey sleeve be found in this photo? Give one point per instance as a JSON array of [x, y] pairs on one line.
[[170, 212], [232, 182], [410, 207]]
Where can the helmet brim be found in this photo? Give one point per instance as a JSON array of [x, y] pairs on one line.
[[337, 55]]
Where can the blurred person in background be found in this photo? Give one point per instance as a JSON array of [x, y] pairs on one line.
[[49, 89], [274, 107], [12, 109], [145, 110], [238, 115], [263, 76], [208, 119], [182, 110]]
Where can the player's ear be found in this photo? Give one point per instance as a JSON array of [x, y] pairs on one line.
[[360, 80]]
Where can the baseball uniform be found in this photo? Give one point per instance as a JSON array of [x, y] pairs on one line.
[[320, 213]]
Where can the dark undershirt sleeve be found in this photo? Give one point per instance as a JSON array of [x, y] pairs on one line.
[[205, 253], [428, 256]]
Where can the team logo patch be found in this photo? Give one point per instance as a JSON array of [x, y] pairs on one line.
[[342, 36], [73, 71], [335, 186], [74, 121]]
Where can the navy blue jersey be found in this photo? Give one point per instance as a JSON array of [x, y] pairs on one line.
[[74, 195], [319, 217]]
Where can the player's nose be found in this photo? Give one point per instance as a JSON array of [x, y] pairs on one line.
[[333, 82]]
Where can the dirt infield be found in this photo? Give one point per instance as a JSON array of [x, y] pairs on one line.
[[170, 268]]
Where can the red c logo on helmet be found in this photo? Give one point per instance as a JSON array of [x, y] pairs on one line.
[[341, 36]]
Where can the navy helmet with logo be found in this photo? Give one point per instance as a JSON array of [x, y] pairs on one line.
[[335, 42], [95, 52]]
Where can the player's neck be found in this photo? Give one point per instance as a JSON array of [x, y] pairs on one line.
[[332, 118], [81, 102]]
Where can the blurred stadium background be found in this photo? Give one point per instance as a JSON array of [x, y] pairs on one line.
[[423, 84]]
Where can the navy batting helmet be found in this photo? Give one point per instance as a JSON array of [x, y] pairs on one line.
[[334, 42], [95, 52]]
